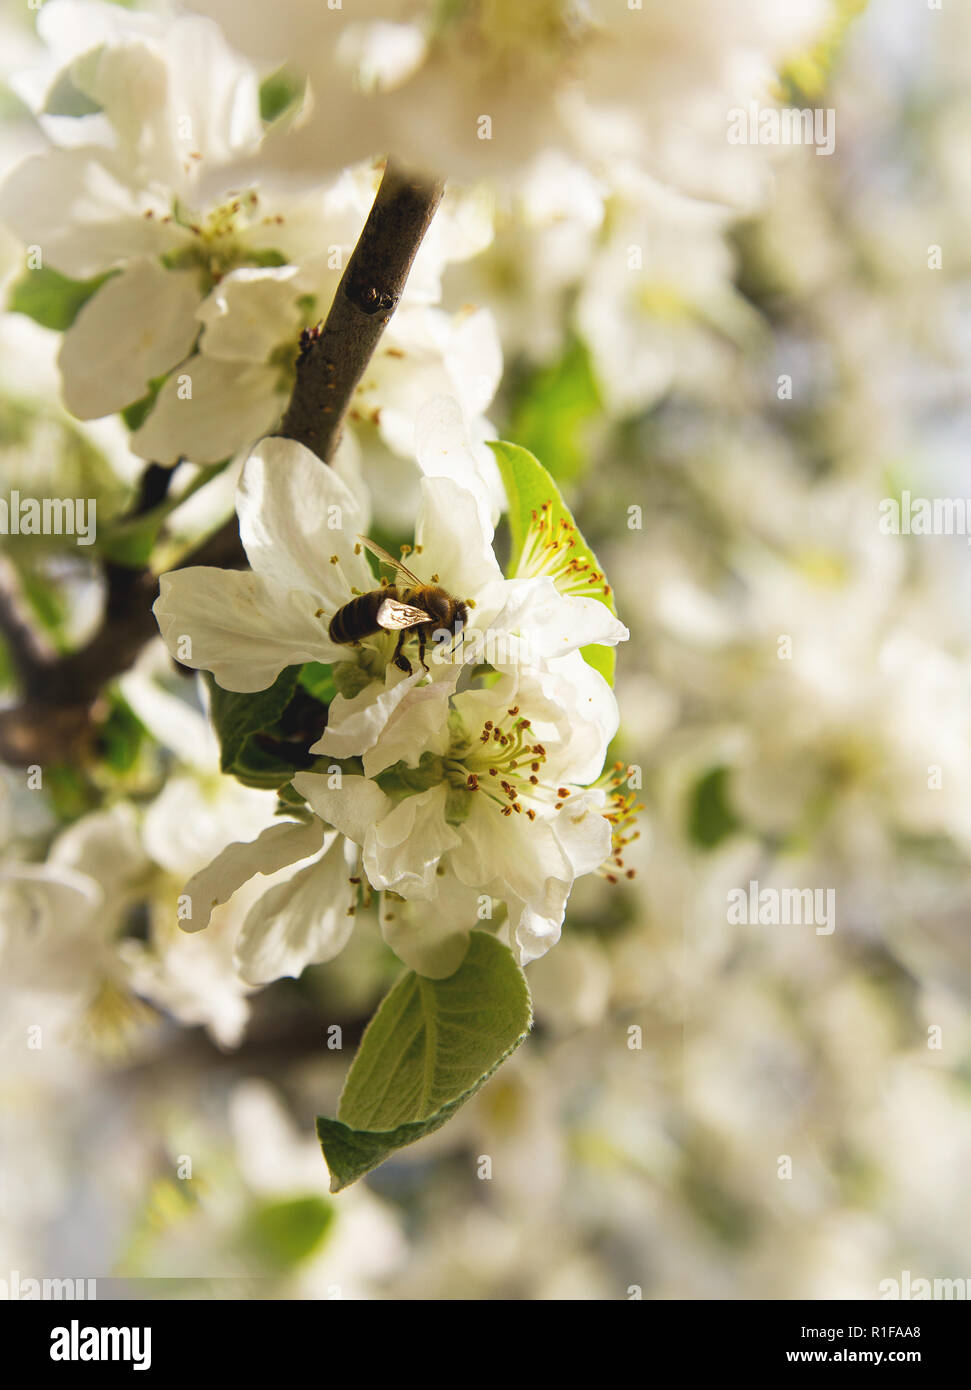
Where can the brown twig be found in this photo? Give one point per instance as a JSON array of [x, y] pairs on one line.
[[56, 718], [333, 359]]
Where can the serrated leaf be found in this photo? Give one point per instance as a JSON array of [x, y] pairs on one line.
[[529, 489], [428, 1049], [51, 299]]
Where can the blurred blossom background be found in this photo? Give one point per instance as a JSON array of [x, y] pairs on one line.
[[728, 355]]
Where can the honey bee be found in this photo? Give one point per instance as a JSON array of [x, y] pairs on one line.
[[406, 606]]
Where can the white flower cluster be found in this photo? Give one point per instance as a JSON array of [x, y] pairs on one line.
[[196, 278], [469, 770]]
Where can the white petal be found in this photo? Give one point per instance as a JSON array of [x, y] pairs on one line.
[[417, 725], [592, 713], [536, 925], [432, 940], [251, 312], [547, 623], [287, 842], [403, 849], [300, 922], [294, 514], [215, 88], [242, 628], [505, 855], [104, 845], [191, 821], [76, 206], [355, 725], [210, 410], [455, 539], [583, 832], [172, 721], [136, 327], [445, 448], [352, 808]]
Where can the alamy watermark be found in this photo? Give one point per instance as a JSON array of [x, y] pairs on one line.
[[49, 516], [909, 1288], [21, 1288], [772, 907], [925, 516], [788, 125]]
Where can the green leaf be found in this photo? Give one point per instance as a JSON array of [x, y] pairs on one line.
[[135, 414], [554, 409], [278, 94], [285, 1233], [710, 815], [530, 488], [50, 298], [121, 735], [428, 1049], [318, 681], [236, 717], [65, 98]]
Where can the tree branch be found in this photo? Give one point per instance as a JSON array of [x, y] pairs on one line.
[[57, 717], [333, 359]]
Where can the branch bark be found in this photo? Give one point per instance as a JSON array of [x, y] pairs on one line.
[[333, 359], [57, 716]]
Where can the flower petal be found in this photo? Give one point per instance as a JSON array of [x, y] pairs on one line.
[[251, 312], [355, 725], [287, 842], [241, 627], [444, 449], [432, 938], [547, 623], [418, 724], [455, 539], [209, 411], [402, 850], [136, 327], [352, 807], [294, 514], [81, 210], [300, 922]]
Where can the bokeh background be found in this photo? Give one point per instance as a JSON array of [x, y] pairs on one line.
[[162, 1134]]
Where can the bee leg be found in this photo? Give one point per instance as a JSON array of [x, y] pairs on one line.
[[402, 662], [421, 651]]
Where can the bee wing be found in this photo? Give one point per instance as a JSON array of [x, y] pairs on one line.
[[389, 559], [393, 616]]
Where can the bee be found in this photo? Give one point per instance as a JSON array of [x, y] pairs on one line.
[[406, 606]]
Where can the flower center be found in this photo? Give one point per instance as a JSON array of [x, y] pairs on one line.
[[502, 760], [219, 246], [551, 549]]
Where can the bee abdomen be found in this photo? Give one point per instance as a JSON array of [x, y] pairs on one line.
[[357, 619]]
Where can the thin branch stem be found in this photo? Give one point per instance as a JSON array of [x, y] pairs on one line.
[[333, 359]]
